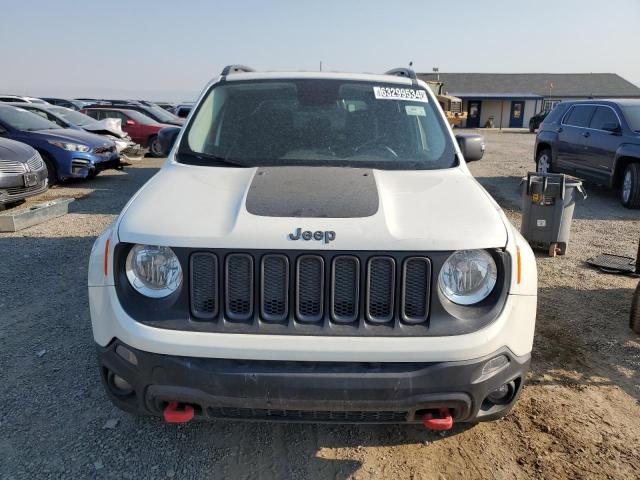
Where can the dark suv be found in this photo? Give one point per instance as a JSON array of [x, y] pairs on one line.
[[597, 140]]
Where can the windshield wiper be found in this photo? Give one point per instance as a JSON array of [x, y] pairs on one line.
[[207, 159]]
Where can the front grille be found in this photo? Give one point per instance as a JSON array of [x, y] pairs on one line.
[[100, 150], [456, 107], [308, 415], [10, 166], [35, 163], [327, 292], [23, 190]]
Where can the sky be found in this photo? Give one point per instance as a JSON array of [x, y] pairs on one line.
[[169, 49]]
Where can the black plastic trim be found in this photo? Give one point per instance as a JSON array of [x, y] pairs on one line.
[[445, 318], [403, 295], [196, 313], [268, 317], [230, 314], [291, 386], [388, 318], [340, 318], [299, 315]]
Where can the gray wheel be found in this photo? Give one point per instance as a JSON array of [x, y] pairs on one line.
[[634, 317], [155, 148], [630, 188], [543, 162]]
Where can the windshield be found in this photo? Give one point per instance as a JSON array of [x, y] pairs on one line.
[[318, 122], [21, 119], [632, 114], [71, 116], [161, 113]]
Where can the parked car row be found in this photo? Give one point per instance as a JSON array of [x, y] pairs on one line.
[[597, 140]]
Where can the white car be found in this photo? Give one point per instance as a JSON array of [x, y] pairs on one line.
[[314, 249]]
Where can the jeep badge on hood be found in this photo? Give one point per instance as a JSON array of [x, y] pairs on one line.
[[326, 236]]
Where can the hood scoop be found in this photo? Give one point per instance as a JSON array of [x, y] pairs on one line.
[[313, 192]]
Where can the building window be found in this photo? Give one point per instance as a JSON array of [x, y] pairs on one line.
[[548, 105]]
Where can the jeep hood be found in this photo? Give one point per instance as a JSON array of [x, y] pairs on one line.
[[209, 207]]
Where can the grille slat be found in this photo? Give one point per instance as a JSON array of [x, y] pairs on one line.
[[416, 281], [381, 289], [308, 415], [204, 285], [239, 286], [35, 163], [10, 166], [310, 288], [274, 299], [345, 289]]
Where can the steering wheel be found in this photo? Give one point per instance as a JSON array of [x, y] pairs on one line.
[[375, 143]]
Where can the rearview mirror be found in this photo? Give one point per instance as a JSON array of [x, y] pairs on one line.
[[612, 127], [130, 122], [167, 137], [471, 146]]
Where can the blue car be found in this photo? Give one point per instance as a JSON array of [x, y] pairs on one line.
[[67, 153]]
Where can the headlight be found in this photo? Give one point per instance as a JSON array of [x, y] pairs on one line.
[[468, 276], [71, 147], [153, 271]]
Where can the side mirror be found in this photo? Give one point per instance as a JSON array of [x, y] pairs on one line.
[[167, 137], [130, 122], [471, 145], [612, 127]]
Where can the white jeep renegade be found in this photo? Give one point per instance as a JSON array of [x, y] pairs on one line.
[[314, 249]]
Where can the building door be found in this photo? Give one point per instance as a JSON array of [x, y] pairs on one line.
[[517, 114], [473, 113]]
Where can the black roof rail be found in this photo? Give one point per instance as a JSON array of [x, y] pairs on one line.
[[235, 69], [402, 72]]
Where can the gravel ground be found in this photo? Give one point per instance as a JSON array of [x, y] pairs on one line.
[[579, 416]]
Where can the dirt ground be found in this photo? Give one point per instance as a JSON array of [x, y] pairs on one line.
[[579, 415]]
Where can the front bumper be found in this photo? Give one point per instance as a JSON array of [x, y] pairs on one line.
[[13, 187], [340, 392], [81, 165]]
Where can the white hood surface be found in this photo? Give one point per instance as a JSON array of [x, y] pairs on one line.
[[205, 207]]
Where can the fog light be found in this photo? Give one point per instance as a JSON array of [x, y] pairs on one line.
[[118, 385], [502, 395]]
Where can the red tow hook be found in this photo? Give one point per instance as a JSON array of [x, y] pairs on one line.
[[173, 415], [445, 422]]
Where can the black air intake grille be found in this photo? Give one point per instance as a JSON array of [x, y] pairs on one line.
[[204, 285], [275, 287], [346, 288], [310, 291], [415, 289], [314, 293], [307, 415], [239, 286], [381, 277]]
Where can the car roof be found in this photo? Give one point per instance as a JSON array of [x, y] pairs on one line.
[[107, 107], [375, 77]]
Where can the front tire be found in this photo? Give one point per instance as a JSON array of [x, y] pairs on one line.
[[543, 161], [630, 188], [155, 148], [52, 173]]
